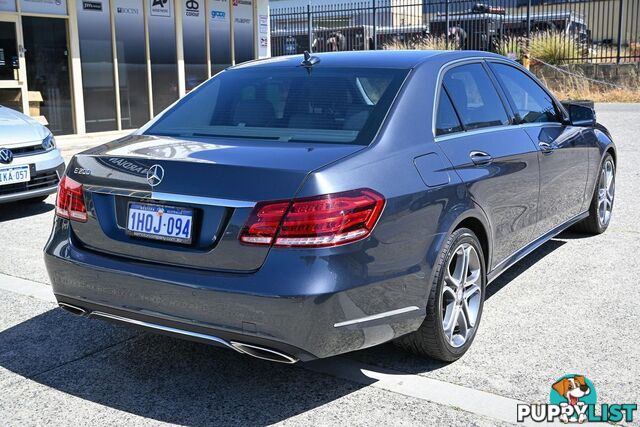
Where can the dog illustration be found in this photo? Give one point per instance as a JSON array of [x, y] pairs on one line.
[[572, 389]]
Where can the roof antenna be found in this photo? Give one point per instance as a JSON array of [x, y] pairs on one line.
[[309, 61]]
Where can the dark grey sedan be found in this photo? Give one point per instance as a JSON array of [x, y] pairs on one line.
[[302, 207]]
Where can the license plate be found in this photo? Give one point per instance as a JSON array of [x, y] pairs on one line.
[[15, 175], [166, 223]]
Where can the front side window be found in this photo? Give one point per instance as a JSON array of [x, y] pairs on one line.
[[531, 102], [288, 104], [474, 97]]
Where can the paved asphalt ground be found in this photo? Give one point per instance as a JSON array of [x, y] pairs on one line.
[[571, 307]]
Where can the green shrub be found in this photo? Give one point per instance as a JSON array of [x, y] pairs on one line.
[[553, 47]]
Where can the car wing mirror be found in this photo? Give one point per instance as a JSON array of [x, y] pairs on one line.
[[581, 113]]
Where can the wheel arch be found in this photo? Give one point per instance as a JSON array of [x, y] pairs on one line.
[[611, 150], [479, 228], [472, 216]]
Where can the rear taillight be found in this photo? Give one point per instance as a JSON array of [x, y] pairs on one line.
[[70, 201], [328, 220]]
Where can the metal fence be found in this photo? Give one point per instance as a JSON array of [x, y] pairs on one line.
[[559, 31]]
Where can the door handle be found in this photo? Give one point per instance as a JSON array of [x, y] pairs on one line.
[[480, 158], [545, 147]]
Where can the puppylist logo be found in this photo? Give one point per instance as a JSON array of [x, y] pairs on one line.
[[573, 399]]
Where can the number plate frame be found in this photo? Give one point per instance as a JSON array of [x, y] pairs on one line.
[[158, 237], [26, 167]]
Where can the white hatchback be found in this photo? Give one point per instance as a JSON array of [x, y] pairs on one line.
[[30, 163]]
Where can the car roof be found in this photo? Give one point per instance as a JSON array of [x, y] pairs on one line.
[[369, 58]]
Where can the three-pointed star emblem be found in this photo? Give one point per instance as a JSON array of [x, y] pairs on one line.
[[155, 175]]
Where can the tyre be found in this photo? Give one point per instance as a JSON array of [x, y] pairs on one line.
[[601, 205], [455, 302]]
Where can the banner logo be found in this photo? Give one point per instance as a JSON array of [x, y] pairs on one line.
[[161, 8], [92, 5], [573, 399], [219, 15], [192, 8]]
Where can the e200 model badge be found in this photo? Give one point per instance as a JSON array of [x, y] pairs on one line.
[[155, 175]]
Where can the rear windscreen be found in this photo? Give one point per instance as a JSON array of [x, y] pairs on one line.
[[333, 105]]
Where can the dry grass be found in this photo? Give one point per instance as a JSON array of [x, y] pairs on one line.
[[575, 88], [422, 43], [511, 45]]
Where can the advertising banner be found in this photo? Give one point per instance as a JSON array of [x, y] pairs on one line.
[[162, 46], [52, 7], [94, 30], [132, 62], [8, 5], [243, 30], [219, 33], [194, 44]]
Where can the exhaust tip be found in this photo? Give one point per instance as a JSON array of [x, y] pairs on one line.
[[263, 353], [72, 309]]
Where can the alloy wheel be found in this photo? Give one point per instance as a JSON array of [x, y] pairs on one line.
[[461, 295], [606, 191]]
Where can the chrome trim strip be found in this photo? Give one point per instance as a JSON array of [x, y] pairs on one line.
[[157, 327], [377, 316], [462, 134], [117, 191], [198, 200], [240, 347], [445, 67], [170, 197], [541, 124]]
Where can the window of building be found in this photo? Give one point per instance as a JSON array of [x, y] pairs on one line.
[[532, 104], [474, 96], [47, 63]]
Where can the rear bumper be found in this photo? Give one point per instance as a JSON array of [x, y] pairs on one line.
[[323, 319]]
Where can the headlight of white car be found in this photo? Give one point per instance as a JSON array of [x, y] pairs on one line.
[[49, 143]]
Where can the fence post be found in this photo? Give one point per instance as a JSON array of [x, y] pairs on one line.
[[446, 34], [375, 24], [620, 21], [528, 20], [309, 28]]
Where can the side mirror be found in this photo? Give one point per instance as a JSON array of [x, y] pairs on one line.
[[581, 114]]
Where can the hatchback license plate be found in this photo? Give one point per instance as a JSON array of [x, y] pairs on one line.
[[15, 175], [158, 222]]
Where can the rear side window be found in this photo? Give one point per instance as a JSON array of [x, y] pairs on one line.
[[531, 102], [288, 104], [447, 119], [474, 97]]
